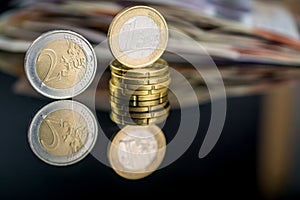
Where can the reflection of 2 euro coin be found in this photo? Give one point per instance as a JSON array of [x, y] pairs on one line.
[[142, 115], [137, 151], [126, 92], [116, 79], [124, 120], [138, 103], [126, 108], [60, 64], [63, 132], [158, 68], [138, 36]]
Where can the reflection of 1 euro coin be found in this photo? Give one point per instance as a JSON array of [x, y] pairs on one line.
[[60, 64], [138, 36], [63, 132], [137, 151]]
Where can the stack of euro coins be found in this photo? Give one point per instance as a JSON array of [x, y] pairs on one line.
[[140, 78], [139, 96]]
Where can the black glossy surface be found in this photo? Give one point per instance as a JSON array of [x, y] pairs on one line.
[[228, 171]]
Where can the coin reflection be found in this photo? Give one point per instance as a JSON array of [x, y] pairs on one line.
[[137, 151], [61, 64], [62, 132]]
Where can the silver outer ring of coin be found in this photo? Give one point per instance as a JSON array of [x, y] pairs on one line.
[[34, 51], [35, 143]]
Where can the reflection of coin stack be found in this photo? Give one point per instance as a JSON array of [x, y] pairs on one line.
[[139, 95]]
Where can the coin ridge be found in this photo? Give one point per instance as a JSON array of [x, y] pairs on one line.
[[127, 108], [136, 121], [123, 70], [127, 92], [30, 66]]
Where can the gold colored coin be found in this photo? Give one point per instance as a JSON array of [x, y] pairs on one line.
[[158, 68], [124, 120], [126, 108], [139, 97], [137, 151], [135, 103], [142, 115], [115, 90], [116, 79], [138, 36], [63, 132], [61, 64], [143, 87]]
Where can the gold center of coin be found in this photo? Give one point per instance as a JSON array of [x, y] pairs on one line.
[[63, 132], [61, 64]]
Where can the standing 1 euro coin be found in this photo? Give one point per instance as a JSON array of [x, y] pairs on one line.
[[60, 64], [63, 132], [138, 36]]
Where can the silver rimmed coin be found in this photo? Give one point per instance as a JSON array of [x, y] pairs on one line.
[[138, 36], [63, 132], [137, 151], [60, 64]]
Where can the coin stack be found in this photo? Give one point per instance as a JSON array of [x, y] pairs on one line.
[[139, 96], [139, 77]]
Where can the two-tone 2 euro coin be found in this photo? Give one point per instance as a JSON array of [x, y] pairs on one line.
[[138, 36], [63, 132], [137, 151], [60, 64]]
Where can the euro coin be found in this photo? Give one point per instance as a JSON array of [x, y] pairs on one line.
[[126, 108], [158, 68], [142, 115], [60, 64], [117, 79], [63, 132], [135, 103], [138, 36], [143, 87], [140, 97], [127, 92], [124, 120], [137, 151]]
